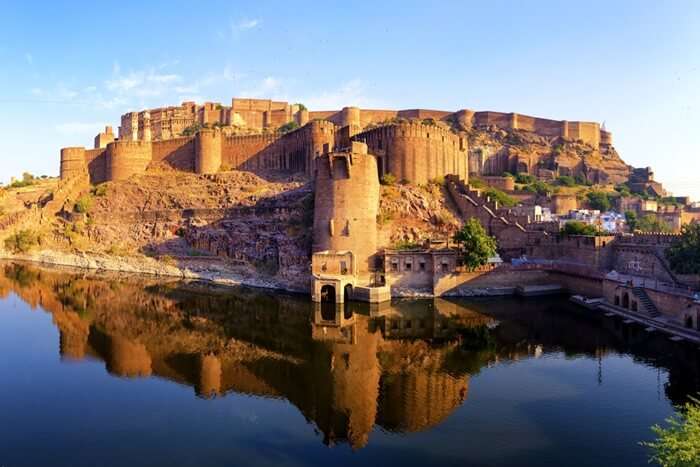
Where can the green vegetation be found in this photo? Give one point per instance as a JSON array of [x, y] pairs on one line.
[[388, 180], [507, 175], [650, 223], [287, 127], [100, 190], [684, 255], [502, 198], [566, 180], [476, 183], [632, 220], [406, 245], [678, 445], [193, 129], [27, 180], [624, 190], [301, 106], [22, 241], [599, 200], [475, 244], [541, 188], [578, 228], [525, 179], [83, 205], [439, 181]]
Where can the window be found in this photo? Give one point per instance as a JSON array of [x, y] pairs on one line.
[[445, 267], [394, 266], [421, 265], [324, 267], [408, 266], [343, 267]]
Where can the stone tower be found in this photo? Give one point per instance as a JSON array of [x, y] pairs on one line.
[[346, 205]]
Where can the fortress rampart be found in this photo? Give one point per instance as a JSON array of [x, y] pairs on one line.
[[417, 152], [346, 205], [127, 158]]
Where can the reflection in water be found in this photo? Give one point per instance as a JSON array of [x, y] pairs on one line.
[[348, 368]]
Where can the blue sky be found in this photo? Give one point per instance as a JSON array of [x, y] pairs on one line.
[[67, 70]]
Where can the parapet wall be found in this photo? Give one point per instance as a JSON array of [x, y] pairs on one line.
[[127, 158], [417, 152]]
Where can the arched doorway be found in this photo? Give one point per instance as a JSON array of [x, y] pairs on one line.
[[328, 294], [625, 300], [347, 296], [617, 300], [689, 322]]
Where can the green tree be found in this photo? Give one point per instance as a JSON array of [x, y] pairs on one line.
[[650, 223], [287, 127], [684, 255], [599, 200], [475, 244], [578, 228], [632, 220], [678, 445], [503, 198], [566, 180]]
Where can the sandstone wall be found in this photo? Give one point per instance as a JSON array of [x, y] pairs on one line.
[[416, 152], [179, 153], [127, 158], [72, 162], [346, 205], [207, 152]]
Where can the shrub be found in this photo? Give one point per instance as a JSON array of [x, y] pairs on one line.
[[287, 127], [100, 190], [83, 204], [501, 197], [22, 241], [631, 219], [679, 443], [525, 179], [388, 179], [406, 245], [578, 228], [684, 255], [650, 223], [440, 181], [476, 183], [599, 200], [566, 180], [301, 106], [476, 245]]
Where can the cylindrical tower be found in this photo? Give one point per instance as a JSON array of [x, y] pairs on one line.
[[209, 383], [73, 162], [127, 158], [350, 117], [302, 117], [346, 205], [606, 138], [208, 151]]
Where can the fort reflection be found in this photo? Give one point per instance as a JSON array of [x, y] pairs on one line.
[[404, 367]]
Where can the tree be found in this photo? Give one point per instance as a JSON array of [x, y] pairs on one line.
[[599, 200], [475, 244], [578, 228], [632, 220], [679, 444], [566, 180], [651, 223], [287, 127], [684, 255]]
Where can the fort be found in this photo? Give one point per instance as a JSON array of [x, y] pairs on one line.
[[352, 204]]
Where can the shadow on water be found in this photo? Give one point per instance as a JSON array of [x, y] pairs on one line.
[[404, 366]]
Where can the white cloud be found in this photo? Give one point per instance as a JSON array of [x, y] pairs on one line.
[[246, 24], [80, 128], [351, 93], [269, 87]]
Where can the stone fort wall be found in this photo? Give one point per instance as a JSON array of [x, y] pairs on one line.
[[417, 152]]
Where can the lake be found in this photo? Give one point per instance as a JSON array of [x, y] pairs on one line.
[[114, 370]]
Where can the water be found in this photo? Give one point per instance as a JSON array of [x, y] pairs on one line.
[[114, 371]]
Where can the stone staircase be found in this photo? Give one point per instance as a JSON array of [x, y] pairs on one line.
[[645, 302]]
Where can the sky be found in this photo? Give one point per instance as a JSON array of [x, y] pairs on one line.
[[67, 70]]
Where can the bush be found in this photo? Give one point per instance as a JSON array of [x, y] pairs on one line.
[[388, 180], [679, 443], [632, 220], [650, 223], [476, 245], [525, 179], [684, 255], [440, 181], [22, 241], [100, 190], [578, 228], [599, 200], [83, 204], [501, 197], [566, 180], [406, 245], [287, 127]]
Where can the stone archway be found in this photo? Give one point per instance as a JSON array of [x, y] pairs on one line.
[[626, 300], [347, 296], [328, 294]]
